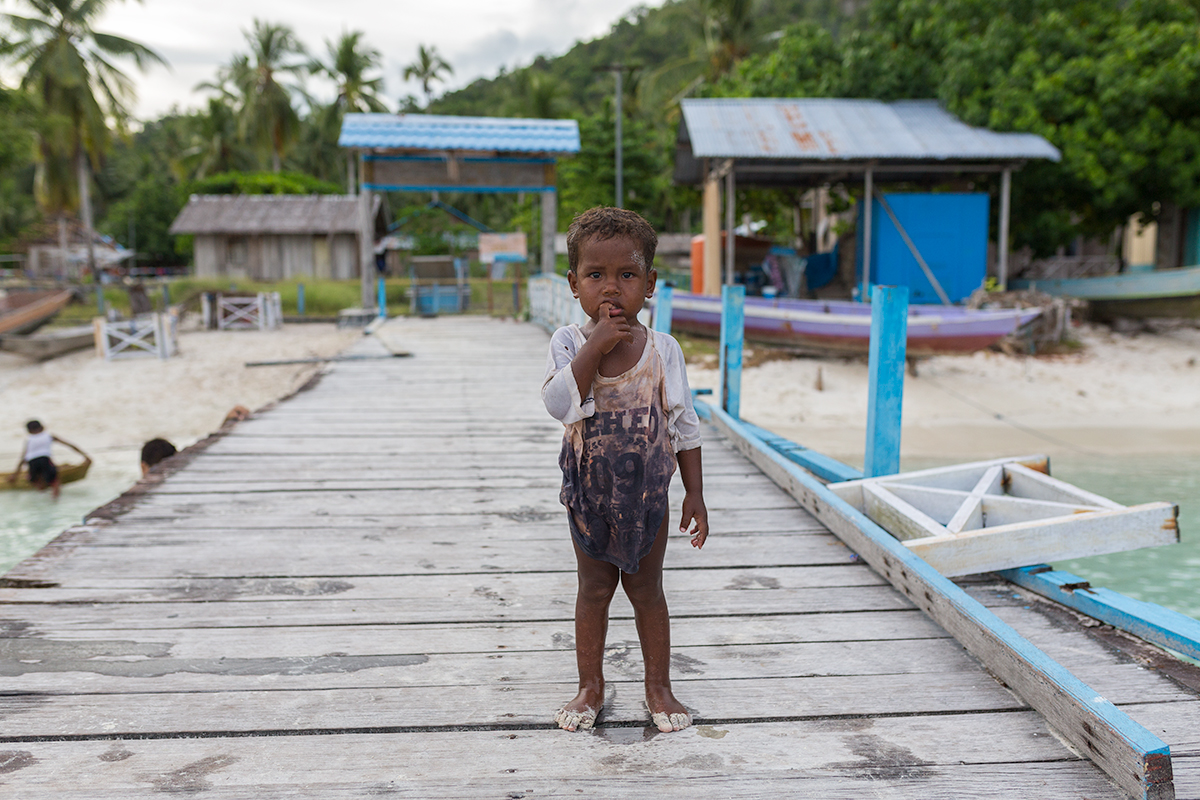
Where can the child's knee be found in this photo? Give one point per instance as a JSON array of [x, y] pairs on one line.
[[643, 588], [597, 588]]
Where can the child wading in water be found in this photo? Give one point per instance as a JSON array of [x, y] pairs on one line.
[[621, 391]]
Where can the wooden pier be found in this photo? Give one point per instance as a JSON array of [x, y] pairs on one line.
[[368, 590]]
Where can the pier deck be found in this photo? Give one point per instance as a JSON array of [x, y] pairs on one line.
[[368, 590]]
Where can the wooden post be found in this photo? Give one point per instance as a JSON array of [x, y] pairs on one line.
[[300, 298], [662, 309], [733, 328], [868, 198], [1002, 245], [382, 299], [730, 236], [885, 367], [549, 225], [366, 233], [516, 289], [711, 277]]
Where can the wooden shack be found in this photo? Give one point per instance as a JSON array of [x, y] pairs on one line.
[[273, 237]]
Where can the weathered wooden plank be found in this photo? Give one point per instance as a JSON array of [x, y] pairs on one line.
[[123, 666], [970, 515], [937, 757], [306, 640], [495, 705], [461, 700], [1053, 539], [386, 552], [489, 601], [415, 585], [1149, 621], [1135, 759]]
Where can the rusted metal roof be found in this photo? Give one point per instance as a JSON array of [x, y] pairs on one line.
[[269, 214], [434, 132], [837, 129]]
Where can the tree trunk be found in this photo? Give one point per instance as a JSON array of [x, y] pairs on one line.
[[85, 211]]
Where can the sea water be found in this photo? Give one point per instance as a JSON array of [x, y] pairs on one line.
[[1169, 575], [30, 519]]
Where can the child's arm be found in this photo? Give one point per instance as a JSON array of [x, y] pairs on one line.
[[68, 444], [694, 509], [609, 329], [16, 474]]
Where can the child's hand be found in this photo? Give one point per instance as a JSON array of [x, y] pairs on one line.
[[611, 327], [695, 511]]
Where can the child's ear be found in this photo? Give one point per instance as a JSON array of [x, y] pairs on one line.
[[651, 282]]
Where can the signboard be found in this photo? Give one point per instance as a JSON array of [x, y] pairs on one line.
[[492, 245]]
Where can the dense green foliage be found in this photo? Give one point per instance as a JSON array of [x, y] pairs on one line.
[[1114, 84]]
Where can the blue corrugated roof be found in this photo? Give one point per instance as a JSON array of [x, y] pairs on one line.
[[431, 132], [844, 129]]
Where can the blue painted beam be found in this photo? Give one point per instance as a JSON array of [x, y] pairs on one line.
[[1133, 757], [382, 299], [733, 333], [300, 299], [885, 366], [662, 309], [819, 464], [390, 187], [1149, 621]]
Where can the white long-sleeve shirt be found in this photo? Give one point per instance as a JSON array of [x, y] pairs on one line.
[[560, 391]]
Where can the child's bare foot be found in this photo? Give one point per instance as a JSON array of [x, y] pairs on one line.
[[667, 713], [580, 714]]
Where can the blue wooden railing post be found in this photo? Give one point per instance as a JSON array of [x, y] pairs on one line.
[[885, 365], [382, 300], [300, 299], [733, 331], [662, 309]]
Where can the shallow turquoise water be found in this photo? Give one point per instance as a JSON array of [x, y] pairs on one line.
[[28, 519], [1169, 576]]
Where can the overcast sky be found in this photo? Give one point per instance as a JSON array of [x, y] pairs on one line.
[[477, 37]]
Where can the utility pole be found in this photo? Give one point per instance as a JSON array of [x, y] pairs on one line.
[[618, 69]]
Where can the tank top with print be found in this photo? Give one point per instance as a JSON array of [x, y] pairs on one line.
[[617, 465]]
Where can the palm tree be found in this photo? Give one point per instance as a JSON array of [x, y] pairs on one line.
[[349, 63], [428, 68], [268, 117], [727, 30], [67, 69]]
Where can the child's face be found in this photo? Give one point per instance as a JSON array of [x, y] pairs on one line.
[[612, 271]]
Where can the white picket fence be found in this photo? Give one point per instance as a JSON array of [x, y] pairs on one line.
[[263, 311], [551, 304], [154, 335]]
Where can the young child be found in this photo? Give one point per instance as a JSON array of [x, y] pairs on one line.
[[621, 391], [42, 471]]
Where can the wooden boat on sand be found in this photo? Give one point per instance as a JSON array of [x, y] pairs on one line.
[[67, 473], [48, 344], [25, 311], [1137, 293], [842, 326]]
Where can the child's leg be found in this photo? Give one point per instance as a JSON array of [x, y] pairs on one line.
[[597, 583], [645, 592]]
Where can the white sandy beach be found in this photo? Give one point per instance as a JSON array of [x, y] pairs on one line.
[[109, 408], [1120, 394]]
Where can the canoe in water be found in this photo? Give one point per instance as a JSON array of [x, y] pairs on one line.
[[67, 473]]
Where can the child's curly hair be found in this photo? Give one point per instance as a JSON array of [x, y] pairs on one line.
[[604, 222]]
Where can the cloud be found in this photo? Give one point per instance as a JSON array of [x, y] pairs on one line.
[[477, 37]]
